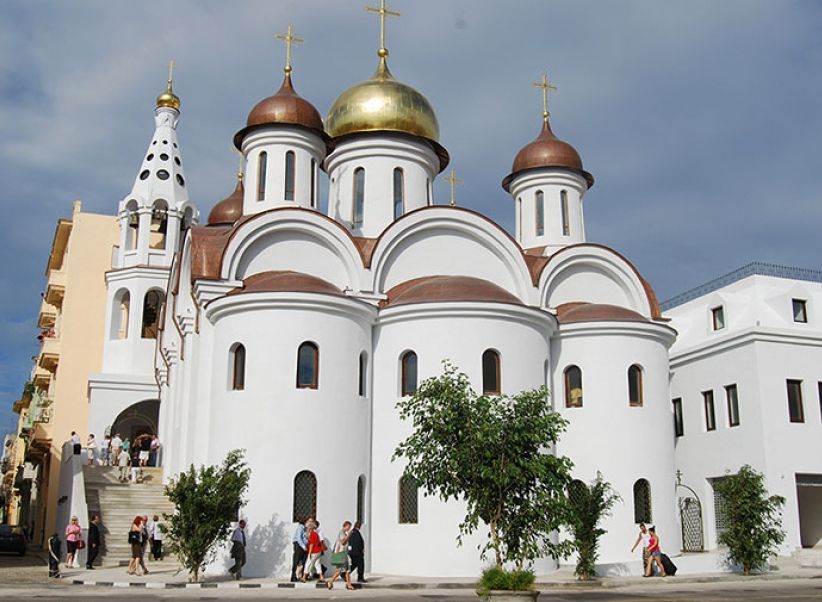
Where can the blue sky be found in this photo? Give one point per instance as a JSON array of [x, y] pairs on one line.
[[700, 120]]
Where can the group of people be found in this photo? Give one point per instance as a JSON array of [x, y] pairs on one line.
[[117, 451], [144, 535], [347, 553], [652, 553]]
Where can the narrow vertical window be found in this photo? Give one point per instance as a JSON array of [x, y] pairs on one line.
[[635, 386], [409, 501], [237, 360], [732, 398], [573, 387], [795, 409], [800, 310], [359, 196], [399, 202], [490, 373], [519, 218], [152, 306], [563, 201], [289, 176], [428, 192], [642, 501], [408, 373], [159, 225], [361, 498], [679, 423], [710, 416], [363, 373], [262, 167], [305, 496], [539, 213], [718, 318], [819, 387], [120, 315], [132, 234], [313, 198], [308, 366]]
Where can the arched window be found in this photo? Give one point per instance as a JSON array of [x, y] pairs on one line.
[[490, 373], [399, 202], [308, 366], [359, 196], [642, 502], [289, 176], [313, 199], [573, 387], [409, 500], [237, 367], [577, 493], [563, 201], [262, 168], [159, 225], [305, 496], [428, 192], [119, 315], [152, 306], [133, 225], [519, 217], [635, 385], [539, 213], [361, 498], [362, 374], [185, 223], [408, 373]]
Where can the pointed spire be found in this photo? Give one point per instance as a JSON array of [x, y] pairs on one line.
[[169, 98]]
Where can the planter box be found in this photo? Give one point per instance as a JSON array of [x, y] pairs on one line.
[[506, 596]]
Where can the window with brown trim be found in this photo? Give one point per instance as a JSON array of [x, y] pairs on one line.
[[718, 317], [796, 411], [408, 373], [237, 355], [635, 393], [573, 387], [152, 308], [732, 397], [490, 373], [800, 310], [308, 366]]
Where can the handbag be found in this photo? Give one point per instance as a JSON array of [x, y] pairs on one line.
[[81, 544], [339, 558], [134, 537]]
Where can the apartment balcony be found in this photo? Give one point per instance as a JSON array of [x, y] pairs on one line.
[[49, 354], [48, 315], [55, 288], [41, 377]]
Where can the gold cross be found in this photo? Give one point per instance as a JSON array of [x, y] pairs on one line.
[[546, 87], [170, 74], [289, 39], [453, 180], [242, 159], [383, 12]]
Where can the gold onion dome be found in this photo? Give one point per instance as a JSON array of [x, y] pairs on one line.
[[168, 98], [381, 104], [547, 151]]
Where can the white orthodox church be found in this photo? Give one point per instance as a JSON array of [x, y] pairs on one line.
[[291, 332]]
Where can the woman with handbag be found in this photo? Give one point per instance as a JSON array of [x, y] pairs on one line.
[[74, 541], [339, 557], [135, 539]]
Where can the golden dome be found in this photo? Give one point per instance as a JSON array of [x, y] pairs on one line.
[[168, 99], [382, 104]]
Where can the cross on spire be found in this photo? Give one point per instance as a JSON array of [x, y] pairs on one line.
[[241, 159], [383, 11], [546, 87], [170, 74], [453, 180], [289, 38]]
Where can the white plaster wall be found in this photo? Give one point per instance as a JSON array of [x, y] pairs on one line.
[[606, 434], [109, 395], [460, 333]]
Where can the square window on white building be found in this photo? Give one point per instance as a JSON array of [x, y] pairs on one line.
[[732, 397], [800, 310], [718, 318], [795, 410], [710, 415], [679, 423]]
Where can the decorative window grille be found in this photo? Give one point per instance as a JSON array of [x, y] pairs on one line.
[[409, 500], [305, 496], [642, 502], [720, 508], [577, 492]]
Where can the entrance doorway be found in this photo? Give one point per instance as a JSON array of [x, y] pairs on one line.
[[137, 419], [809, 500]]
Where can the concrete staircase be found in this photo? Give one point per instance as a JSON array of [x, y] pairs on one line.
[[118, 503]]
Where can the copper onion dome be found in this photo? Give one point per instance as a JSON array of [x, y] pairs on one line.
[[285, 107], [230, 209], [547, 151]]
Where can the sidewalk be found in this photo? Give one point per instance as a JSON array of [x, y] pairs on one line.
[[167, 575]]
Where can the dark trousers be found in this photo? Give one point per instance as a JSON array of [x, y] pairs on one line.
[[54, 567], [238, 553], [298, 559], [157, 549], [358, 563], [91, 554]]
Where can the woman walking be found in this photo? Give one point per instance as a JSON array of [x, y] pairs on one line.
[[642, 538], [91, 449], [135, 539], [339, 558], [654, 554], [315, 553], [73, 535]]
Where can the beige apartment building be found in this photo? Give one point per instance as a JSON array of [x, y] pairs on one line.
[[55, 400]]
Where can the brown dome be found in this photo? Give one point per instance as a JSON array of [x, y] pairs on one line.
[[285, 281], [433, 289], [596, 312], [284, 107], [230, 209], [547, 151]]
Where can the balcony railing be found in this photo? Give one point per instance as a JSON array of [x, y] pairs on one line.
[[56, 288], [48, 315], [49, 354]]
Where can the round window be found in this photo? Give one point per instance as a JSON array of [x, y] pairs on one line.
[[165, 141], [175, 144], [144, 174], [149, 158], [177, 160], [164, 157], [162, 174], [180, 180]]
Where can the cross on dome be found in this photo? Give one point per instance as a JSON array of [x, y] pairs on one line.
[[383, 12], [453, 180], [546, 87], [289, 38], [169, 98]]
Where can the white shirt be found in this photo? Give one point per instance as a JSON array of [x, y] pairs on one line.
[[75, 439], [116, 442], [124, 460]]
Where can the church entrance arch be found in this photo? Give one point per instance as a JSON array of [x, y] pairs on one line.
[[137, 419]]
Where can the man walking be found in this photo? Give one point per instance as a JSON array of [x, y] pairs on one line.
[[238, 550], [93, 542], [300, 543], [116, 446], [356, 551]]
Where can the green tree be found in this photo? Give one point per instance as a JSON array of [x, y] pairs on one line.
[[754, 519], [494, 452], [206, 502], [587, 505]]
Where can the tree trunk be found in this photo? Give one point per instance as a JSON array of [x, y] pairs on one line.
[[495, 543]]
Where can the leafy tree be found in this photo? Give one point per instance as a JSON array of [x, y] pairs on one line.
[[754, 519], [587, 505], [206, 501], [495, 453]]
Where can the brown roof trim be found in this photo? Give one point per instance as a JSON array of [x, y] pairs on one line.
[[277, 281], [580, 311], [443, 288]]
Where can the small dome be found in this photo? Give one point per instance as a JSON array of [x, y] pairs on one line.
[[568, 313], [285, 281], [284, 107], [435, 289], [382, 104], [168, 98], [547, 151], [230, 209]]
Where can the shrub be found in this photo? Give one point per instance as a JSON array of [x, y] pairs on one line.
[[496, 578]]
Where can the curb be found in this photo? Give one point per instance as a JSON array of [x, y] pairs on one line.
[[207, 585]]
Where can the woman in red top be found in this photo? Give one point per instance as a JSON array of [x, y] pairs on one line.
[[654, 554], [315, 553]]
